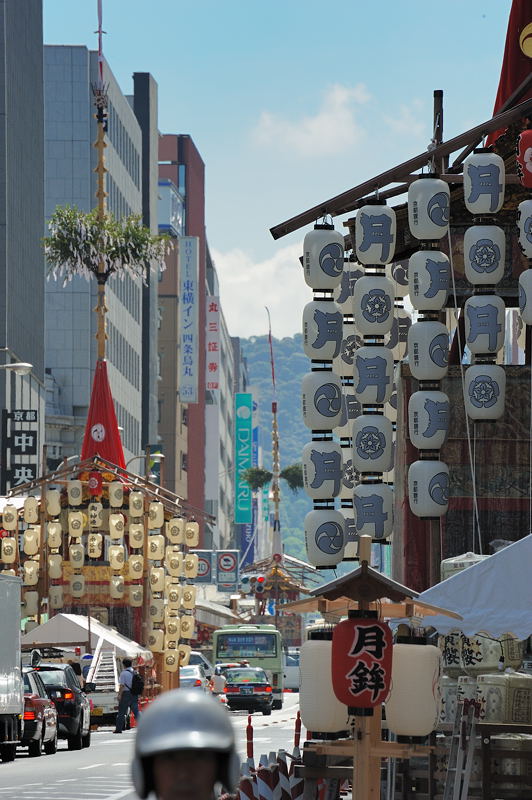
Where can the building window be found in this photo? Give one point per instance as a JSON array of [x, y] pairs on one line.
[[184, 462]]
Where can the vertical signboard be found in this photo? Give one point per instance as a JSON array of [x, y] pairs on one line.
[[19, 437], [188, 319], [212, 343], [227, 572], [243, 456]]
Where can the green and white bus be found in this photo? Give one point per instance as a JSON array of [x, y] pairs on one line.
[[259, 645]]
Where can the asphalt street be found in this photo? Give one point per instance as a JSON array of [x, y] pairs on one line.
[[102, 772]]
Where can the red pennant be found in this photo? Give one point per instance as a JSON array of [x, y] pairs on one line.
[[517, 59], [95, 484], [102, 437]]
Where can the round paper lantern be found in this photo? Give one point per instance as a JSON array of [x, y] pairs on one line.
[[192, 533], [322, 468], [116, 494], [484, 179], [116, 526], [76, 554], [191, 565], [32, 540], [484, 391], [524, 224], [428, 350], [373, 507], [373, 374], [484, 254], [397, 272], [55, 566], [136, 596], [54, 534], [321, 394], [524, 157], [31, 510], [413, 706], [373, 305], [9, 549], [175, 528], [173, 593], [157, 579], [325, 537], [343, 293], [321, 711], [429, 276], [375, 233], [53, 502], [117, 556], [189, 597], [184, 654], [75, 523], [136, 504], [428, 207], [155, 515], [372, 443], [484, 323], [156, 610], [10, 517], [77, 585], [95, 511], [525, 296], [135, 565], [323, 257], [428, 488], [396, 340], [31, 572], [55, 597], [322, 330], [94, 545], [173, 561], [428, 419], [155, 547], [136, 535], [188, 624], [361, 661], [156, 640]]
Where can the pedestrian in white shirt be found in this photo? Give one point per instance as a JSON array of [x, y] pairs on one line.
[[126, 699]]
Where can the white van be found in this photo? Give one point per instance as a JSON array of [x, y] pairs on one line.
[[291, 677], [197, 658]]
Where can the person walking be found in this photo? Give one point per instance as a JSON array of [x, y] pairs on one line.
[[184, 747], [127, 700]]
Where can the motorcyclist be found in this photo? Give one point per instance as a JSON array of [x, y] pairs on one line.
[[185, 744]]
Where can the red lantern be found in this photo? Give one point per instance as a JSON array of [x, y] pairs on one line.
[[524, 158], [361, 661], [95, 484]]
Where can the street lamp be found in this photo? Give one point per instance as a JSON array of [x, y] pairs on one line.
[[158, 458]]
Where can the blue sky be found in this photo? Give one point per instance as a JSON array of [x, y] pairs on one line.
[[291, 102]]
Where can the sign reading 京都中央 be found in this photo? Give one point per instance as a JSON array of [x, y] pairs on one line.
[[19, 437], [361, 662], [188, 319], [243, 455], [212, 343], [227, 572]]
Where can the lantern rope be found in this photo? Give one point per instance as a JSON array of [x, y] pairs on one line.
[[468, 431]]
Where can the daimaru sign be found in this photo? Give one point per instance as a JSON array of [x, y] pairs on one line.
[[243, 455]]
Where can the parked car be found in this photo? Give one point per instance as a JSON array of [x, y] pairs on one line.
[[40, 716], [231, 665], [198, 659], [248, 688], [193, 677], [73, 708], [291, 676]]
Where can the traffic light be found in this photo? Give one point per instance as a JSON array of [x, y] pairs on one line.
[[260, 584], [245, 584]]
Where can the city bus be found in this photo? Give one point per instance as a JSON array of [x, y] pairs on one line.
[[259, 645]]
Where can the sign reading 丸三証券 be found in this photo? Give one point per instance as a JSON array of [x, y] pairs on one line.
[[212, 343]]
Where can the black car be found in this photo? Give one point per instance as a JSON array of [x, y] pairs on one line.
[[248, 688], [40, 716], [73, 708]]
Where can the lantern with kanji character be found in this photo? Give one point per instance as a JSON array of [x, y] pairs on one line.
[[321, 393], [361, 661], [484, 323], [484, 391], [429, 274], [321, 711], [375, 233], [373, 374], [373, 509], [55, 597], [323, 257], [321, 464], [373, 305], [484, 254], [484, 180], [324, 537], [428, 419], [428, 207], [322, 329], [524, 157], [413, 705], [428, 350], [428, 488], [524, 224]]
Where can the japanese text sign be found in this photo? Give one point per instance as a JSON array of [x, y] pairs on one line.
[[361, 662], [212, 343], [188, 320]]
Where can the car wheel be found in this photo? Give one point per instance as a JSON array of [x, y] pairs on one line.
[[277, 704], [35, 747], [86, 740], [8, 752], [266, 712], [75, 742], [50, 747]]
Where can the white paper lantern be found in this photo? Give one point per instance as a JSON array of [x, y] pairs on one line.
[[75, 523], [322, 468], [428, 419], [95, 512], [325, 537], [189, 597], [397, 272], [136, 596], [53, 502], [484, 181], [322, 330], [188, 624], [55, 597], [75, 492], [31, 510], [343, 293], [485, 391], [429, 276], [191, 565], [428, 350], [155, 547], [157, 579], [484, 254], [173, 594], [428, 488], [375, 233], [136, 504], [321, 711], [524, 224], [428, 207], [155, 515], [396, 340], [175, 529], [117, 556], [136, 535], [116, 526], [170, 642], [323, 257], [76, 554], [54, 534], [184, 654], [77, 585], [32, 540], [413, 705], [373, 374], [156, 640], [10, 517], [191, 533], [156, 610], [171, 660], [373, 305], [484, 317], [173, 561], [94, 545], [321, 394], [55, 566], [31, 572], [525, 296], [372, 443], [373, 510], [135, 565], [116, 494]]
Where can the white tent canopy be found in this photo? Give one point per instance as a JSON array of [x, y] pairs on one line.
[[493, 596], [66, 629]]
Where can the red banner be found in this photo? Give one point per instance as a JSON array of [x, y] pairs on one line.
[[361, 662], [102, 437]]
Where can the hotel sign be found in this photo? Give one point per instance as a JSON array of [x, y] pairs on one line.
[[188, 319]]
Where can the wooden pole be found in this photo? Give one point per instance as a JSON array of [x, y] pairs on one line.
[[101, 307]]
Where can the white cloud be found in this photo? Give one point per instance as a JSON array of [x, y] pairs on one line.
[[247, 286], [332, 130], [409, 120]]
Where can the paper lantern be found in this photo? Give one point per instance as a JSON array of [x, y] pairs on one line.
[[524, 158], [75, 523], [191, 565], [95, 512], [375, 233], [484, 323], [117, 587], [9, 549], [484, 180], [428, 207], [156, 640], [31, 572], [173, 561], [32, 540], [155, 547], [321, 711], [136, 535], [156, 610], [325, 537], [94, 545], [189, 597], [188, 624], [184, 651], [173, 594], [55, 597], [172, 626], [428, 488], [373, 374], [117, 556], [116, 526], [116, 494], [484, 254], [373, 305], [155, 515], [135, 565], [396, 340], [10, 517], [54, 534], [361, 661], [373, 510], [429, 276], [322, 468], [428, 350], [55, 566], [157, 576], [413, 706], [525, 296], [175, 529], [53, 502], [372, 443], [31, 510], [170, 642], [524, 225], [323, 257], [74, 492], [30, 604], [191, 534], [136, 504], [76, 554], [136, 596], [322, 330], [321, 393], [77, 585], [428, 419], [397, 273], [484, 391], [171, 660]]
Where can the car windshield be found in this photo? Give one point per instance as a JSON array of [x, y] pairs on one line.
[[190, 672], [53, 677], [246, 676]]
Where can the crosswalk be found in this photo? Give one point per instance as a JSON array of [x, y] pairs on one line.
[[84, 786]]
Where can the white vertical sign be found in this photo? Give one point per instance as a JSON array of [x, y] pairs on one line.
[[212, 343], [188, 318]]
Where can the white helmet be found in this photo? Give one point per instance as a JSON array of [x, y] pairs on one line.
[[184, 719]]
